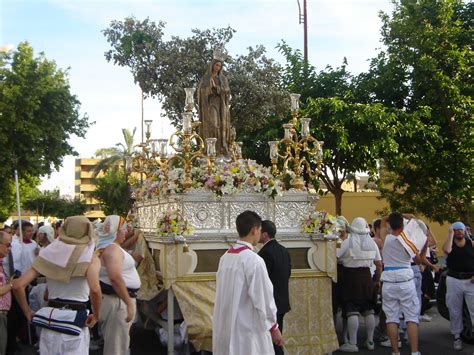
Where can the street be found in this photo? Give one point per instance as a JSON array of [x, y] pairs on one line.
[[435, 339]]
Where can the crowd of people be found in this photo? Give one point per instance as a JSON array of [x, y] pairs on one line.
[[394, 261], [69, 278]]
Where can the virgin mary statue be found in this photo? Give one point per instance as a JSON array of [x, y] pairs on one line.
[[213, 100]]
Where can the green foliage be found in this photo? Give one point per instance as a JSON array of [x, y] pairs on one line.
[[49, 203], [355, 134], [27, 188], [114, 195], [163, 69], [428, 63], [121, 154], [113, 192], [38, 115]]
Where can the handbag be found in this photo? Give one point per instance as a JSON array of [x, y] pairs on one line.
[[62, 320]]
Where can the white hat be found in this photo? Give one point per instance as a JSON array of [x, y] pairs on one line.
[[49, 231], [359, 226]]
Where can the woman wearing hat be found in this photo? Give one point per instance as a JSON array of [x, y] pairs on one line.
[[119, 282], [72, 275]]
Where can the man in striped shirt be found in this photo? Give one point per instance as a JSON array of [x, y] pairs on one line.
[[398, 291]]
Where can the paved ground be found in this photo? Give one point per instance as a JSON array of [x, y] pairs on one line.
[[434, 340]]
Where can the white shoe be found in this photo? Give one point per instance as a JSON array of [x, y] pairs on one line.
[[388, 344], [369, 345], [349, 348], [425, 318], [457, 345]]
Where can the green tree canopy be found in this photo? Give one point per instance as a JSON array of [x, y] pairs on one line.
[[163, 68], [427, 62], [49, 203], [355, 134], [27, 188], [113, 192], [38, 115]]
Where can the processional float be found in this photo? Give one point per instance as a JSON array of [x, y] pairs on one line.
[[186, 205]]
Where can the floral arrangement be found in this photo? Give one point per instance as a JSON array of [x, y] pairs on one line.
[[228, 178], [243, 176], [172, 222], [320, 222]]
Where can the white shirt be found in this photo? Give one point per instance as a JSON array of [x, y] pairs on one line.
[[244, 310], [129, 272], [23, 255], [344, 255], [28, 255], [394, 253], [77, 289]]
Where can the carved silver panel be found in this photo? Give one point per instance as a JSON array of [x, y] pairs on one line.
[[211, 216], [204, 215], [291, 214]]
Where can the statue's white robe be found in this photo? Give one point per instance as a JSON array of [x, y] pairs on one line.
[[244, 310]]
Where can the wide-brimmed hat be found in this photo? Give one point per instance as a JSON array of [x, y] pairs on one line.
[[359, 226], [76, 230]]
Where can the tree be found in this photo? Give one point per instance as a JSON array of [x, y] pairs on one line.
[[355, 134], [49, 203], [116, 157], [38, 115], [428, 63], [120, 155], [27, 188], [163, 69], [113, 192]]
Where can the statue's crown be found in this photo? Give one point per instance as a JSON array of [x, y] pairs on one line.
[[218, 54]]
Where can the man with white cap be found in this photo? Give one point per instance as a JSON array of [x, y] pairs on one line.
[[460, 280], [358, 253]]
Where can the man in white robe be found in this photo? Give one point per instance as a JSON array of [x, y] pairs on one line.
[[244, 320]]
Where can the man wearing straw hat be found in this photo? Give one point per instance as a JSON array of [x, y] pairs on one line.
[[72, 274]]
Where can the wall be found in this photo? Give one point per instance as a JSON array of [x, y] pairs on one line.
[[366, 204]]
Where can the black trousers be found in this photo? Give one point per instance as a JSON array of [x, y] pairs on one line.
[[279, 349], [14, 319]]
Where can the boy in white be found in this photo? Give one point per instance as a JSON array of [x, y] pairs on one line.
[[398, 291], [244, 319]]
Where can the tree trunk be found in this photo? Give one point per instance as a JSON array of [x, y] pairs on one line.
[[338, 200]]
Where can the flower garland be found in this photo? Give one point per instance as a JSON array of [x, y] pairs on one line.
[[226, 179], [320, 222], [243, 176], [172, 222]]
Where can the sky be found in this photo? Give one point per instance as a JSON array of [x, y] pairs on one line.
[[69, 32]]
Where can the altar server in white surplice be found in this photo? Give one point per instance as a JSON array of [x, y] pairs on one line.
[[244, 320]]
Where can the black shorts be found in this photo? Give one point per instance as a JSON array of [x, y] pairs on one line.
[[352, 308]]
